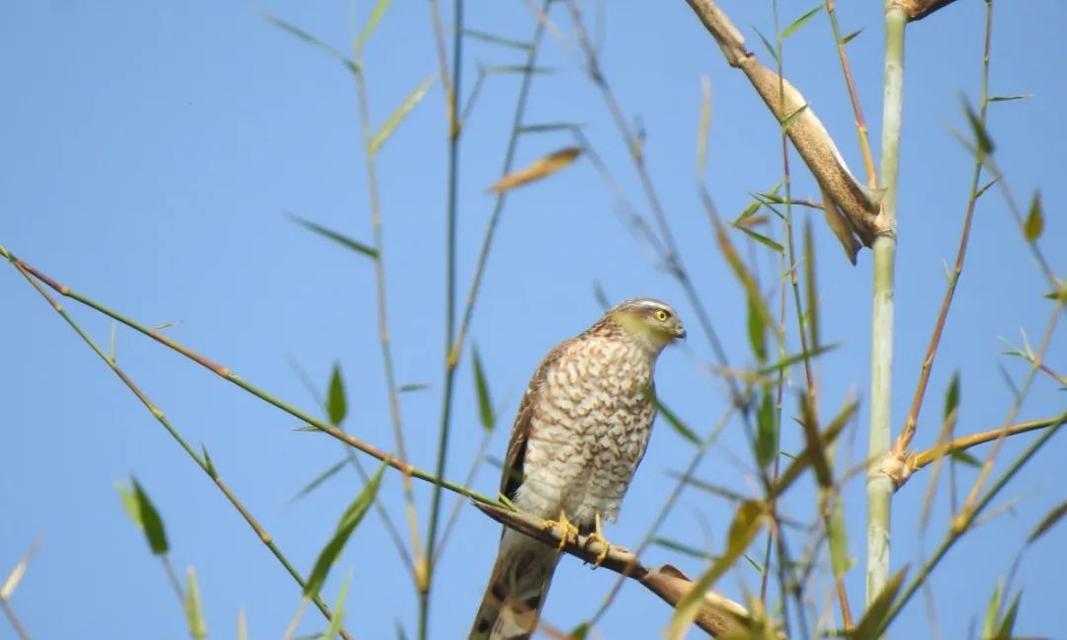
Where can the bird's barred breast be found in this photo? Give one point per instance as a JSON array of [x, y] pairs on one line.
[[589, 429]]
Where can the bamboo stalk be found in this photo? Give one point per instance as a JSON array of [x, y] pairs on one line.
[[879, 485]]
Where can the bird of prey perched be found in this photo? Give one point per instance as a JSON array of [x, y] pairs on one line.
[[581, 431]]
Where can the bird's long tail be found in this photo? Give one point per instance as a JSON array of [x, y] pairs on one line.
[[517, 589]]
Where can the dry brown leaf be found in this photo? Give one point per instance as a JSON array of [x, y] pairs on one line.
[[541, 168]]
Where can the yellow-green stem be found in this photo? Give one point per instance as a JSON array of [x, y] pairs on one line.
[[879, 485]]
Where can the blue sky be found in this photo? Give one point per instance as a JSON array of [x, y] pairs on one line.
[[152, 151]]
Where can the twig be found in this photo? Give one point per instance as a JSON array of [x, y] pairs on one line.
[[204, 462], [718, 615], [227, 374], [908, 431], [20, 630], [854, 99], [916, 461], [383, 315]]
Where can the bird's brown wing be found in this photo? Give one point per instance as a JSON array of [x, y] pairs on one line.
[[520, 432]]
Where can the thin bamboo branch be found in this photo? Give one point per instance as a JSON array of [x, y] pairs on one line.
[[853, 97], [879, 484], [370, 157], [227, 374], [908, 431], [807, 133], [718, 615], [13, 619], [501, 196], [201, 461], [928, 456], [425, 577]]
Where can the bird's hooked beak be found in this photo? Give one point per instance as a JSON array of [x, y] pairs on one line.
[[679, 330]]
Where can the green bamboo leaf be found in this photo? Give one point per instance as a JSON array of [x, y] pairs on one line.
[[338, 616], [965, 458], [770, 48], [1007, 623], [499, 40], [762, 239], [7, 589], [516, 68], [400, 633], [836, 534], [211, 471], [746, 525], [312, 40], [789, 361], [340, 239], [581, 632], [985, 187], [870, 626], [981, 136], [806, 459], [398, 116], [800, 22], [143, 513], [952, 396], [767, 431], [416, 386], [757, 331], [194, 609], [1035, 219], [676, 423], [992, 610], [372, 22], [811, 288], [336, 404], [321, 478], [551, 126], [737, 265], [683, 548], [852, 36], [816, 449], [1018, 96], [481, 387], [349, 521], [748, 211], [1048, 522]]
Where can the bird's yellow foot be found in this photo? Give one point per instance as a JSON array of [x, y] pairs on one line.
[[598, 536], [569, 530]]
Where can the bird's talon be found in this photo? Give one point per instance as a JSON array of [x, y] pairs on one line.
[[569, 530]]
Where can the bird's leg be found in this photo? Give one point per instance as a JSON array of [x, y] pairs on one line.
[[568, 528], [598, 536]]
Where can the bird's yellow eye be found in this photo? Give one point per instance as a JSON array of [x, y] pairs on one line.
[[661, 315]]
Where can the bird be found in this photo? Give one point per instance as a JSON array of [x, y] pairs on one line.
[[581, 430]]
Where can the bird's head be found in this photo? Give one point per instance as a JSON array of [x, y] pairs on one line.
[[652, 321]]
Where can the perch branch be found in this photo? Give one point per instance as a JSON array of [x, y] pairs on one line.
[[804, 128], [718, 615]]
